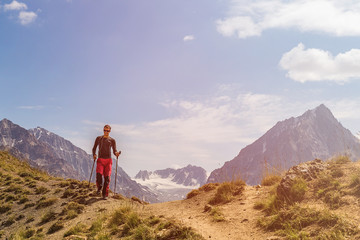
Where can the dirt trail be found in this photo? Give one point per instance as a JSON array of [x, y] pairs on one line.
[[240, 216]]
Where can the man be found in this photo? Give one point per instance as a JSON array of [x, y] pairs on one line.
[[104, 160]]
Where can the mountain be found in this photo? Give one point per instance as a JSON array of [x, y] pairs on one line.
[[59, 157], [315, 134], [172, 184], [24, 144]]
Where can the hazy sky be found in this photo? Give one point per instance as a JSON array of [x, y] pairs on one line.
[[180, 81]]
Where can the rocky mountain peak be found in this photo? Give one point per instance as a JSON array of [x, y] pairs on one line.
[[314, 134]]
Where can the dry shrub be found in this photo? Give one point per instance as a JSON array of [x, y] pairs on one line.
[[208, 187], [193, 193], [226, 191], [270, 180]]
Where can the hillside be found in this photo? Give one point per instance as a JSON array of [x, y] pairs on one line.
[[313, 200], [59, 157], [34, 205]]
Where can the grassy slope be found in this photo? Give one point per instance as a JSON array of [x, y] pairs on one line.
[[34, 205], [326, 207]]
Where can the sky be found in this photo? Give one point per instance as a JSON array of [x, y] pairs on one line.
[[180, 81]]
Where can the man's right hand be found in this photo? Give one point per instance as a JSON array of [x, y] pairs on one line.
[[95, 157]]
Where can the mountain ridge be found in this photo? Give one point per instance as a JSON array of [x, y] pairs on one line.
[[59, 157], [314, 134]]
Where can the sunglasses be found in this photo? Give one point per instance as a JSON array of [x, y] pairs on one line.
[[106, 130]]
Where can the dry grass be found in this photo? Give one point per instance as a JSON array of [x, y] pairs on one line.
[[226, 192]]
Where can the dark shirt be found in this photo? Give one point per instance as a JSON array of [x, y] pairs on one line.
[[105, 145]]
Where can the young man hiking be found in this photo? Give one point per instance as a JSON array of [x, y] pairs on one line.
[[104, 160]]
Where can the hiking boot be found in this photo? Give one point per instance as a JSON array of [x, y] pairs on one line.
[[98, 192], [105, 197]]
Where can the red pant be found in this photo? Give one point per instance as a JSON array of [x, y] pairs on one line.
[[103, 168]]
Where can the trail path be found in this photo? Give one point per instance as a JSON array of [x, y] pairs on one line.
[[240, 216]]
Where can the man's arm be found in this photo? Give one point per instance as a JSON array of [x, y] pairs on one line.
[[116, 153], [94, 148]]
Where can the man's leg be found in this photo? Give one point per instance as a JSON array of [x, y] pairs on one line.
[[107, 174], [99, 182], [105, 191], [99, 174]]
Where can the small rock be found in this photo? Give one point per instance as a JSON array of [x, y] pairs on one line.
[[207, 208]]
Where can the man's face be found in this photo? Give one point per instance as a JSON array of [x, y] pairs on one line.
[[106, 131]]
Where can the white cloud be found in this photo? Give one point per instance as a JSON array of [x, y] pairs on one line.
[[189, 38], [27, 17], [203, 132], [37, 107], [209, 131], [15, 5], [250, 18], [311, 64]]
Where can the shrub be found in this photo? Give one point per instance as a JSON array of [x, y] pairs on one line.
[[192, 194], [142, 232], [14, 188], [153, 220], [226, 191], [5, 208], [9, 222], [28, 233], [72, 210], [297, 190], [29, 205], [47, 217], [46, 203], [132, 222], [208, 187], [177, 232], [270, 180], [119, 216], [217, 215], [96, 227], [23, 199], [11, 198], [341, 159], [135, 199], [78, 228], [333, 199], [337, 172], [68, 193], [55, 227], [41, 190]]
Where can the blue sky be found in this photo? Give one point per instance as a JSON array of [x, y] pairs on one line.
[[180, 81]]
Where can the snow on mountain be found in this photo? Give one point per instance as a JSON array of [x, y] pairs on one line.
[[172, 184]]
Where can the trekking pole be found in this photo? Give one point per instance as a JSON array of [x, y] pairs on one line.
[[91, 172], [117, 158]]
